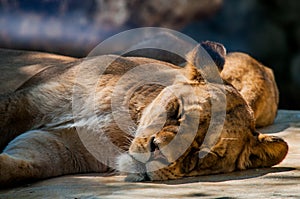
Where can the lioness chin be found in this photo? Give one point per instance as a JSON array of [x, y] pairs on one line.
[[39, 130]]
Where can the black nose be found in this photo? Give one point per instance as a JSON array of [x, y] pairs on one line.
[[153, 145], [156, 154]]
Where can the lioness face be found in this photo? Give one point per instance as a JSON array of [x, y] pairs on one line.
[[169, 139], [171, 131]]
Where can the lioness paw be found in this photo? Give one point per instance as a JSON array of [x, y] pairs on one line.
[[268, 151], [267, 138]]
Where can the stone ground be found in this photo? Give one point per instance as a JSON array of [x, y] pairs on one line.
[[281, 181]]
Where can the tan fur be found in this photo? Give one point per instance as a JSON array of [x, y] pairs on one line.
[[38, 138], [18, 67], [256, 83]]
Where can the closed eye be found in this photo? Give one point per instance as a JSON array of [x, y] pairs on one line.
[[173, 110]]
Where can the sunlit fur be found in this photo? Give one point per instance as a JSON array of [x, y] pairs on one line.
[[38, 137], [256, 83]]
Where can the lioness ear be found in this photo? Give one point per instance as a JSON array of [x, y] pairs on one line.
[[266, 152], [215, 50], [197, 59]]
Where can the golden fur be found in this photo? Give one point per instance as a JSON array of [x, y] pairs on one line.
[[38, 128], [256, 83]]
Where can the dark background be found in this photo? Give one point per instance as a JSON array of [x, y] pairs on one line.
[[268, 30]]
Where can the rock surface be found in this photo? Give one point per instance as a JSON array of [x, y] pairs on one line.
[[281, 181]]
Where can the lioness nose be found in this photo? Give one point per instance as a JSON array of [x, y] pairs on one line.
[[153, 144]]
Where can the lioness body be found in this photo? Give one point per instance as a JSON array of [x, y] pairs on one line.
[[256, 83], [39, 137], [44, 103]]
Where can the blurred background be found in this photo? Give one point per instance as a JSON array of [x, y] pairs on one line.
[[268, 30]]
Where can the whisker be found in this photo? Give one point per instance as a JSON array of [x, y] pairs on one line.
[[229, 138]]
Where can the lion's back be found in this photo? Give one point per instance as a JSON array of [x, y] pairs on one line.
[[256, 83]]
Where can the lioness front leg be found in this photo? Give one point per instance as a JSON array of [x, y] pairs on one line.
[[41, 154], [16, 116]]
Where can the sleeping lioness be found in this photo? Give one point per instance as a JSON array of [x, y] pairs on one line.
[[39, 127]]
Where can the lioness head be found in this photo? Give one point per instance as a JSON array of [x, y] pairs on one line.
[[197, 127]]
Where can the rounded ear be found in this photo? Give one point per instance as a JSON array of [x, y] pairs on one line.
[[197, 60], [267, 151], [217, 52]]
